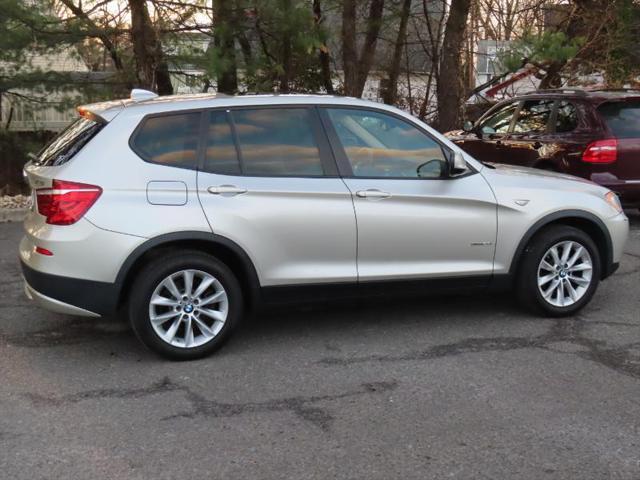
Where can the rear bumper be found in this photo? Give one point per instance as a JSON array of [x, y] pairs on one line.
[[72, 296], [54, 305]]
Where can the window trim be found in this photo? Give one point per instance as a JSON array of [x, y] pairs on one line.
[[344, 165], [146, 118]]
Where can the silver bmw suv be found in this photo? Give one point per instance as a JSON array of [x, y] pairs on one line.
[[186, 211]]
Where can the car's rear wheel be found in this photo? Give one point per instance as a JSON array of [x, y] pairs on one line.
[[559, 272], [185, 306]]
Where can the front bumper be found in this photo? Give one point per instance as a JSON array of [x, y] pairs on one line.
[[72, 296], [618, 228]]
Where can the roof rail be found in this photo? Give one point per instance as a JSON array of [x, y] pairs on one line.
[[603, 89], [139, 94], [576, 91]]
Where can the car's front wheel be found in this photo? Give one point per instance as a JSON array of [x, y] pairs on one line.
[[559, 272], [184, 306]]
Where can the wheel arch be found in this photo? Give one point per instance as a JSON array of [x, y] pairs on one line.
[[585, 221], [225, 250]]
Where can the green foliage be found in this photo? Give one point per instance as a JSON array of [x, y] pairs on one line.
[[283, 38], [15, 148], [544, 49], [622, 61]]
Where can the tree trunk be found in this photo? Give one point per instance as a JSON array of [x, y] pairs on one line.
[[323, 55], [449, 88], [223, 40], [356, 67], [374, 22], [285, 77], [152, 71], [390, 94], [349, 47]]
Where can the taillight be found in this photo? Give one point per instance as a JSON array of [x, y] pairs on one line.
[[601, 151], [66, 202]]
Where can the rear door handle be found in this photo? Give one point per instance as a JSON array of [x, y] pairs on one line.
[[372, 193], [228, 190], [537, 145]]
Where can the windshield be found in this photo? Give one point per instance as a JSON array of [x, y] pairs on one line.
[[622, 118], [68, 143]]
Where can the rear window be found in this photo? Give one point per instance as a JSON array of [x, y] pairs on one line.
[[277, 142], [567, 118], [220, 154], [622, 118], [170, 140], [63, 147]]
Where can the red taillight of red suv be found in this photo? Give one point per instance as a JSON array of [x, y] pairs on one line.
[[601, 151], [66, 202]]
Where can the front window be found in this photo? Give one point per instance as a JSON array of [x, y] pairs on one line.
[[499, 121], [380, 145], [533, 116]]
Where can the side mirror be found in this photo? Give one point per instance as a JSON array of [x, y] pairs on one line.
[[431, 169], [468, 126], [457, 164]]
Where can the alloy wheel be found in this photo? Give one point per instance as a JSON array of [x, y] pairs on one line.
[[188, 308], [565, 273]]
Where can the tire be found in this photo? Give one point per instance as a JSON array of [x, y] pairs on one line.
[[210, 324], [574, 286]]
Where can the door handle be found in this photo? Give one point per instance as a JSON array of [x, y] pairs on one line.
[[498, 143], [228, 190], [537, 145], [372, 193]]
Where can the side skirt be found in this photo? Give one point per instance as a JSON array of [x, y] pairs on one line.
[[284, 294]]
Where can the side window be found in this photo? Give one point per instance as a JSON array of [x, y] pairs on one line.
[[499, 121], [379, 145], [567, 117], [220, 154], [277, 142], [533, 116], [169, 139]]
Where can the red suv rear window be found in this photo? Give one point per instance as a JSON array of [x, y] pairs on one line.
[[622, 118]]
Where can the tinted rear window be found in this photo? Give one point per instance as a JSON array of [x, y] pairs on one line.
[[169, 139], [622, 118], [63, 147], [220, 155], [277, 142]]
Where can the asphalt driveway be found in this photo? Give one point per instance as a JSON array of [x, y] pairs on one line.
[[468, 387]]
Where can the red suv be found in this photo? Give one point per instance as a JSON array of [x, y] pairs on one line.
[[590, 134]]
